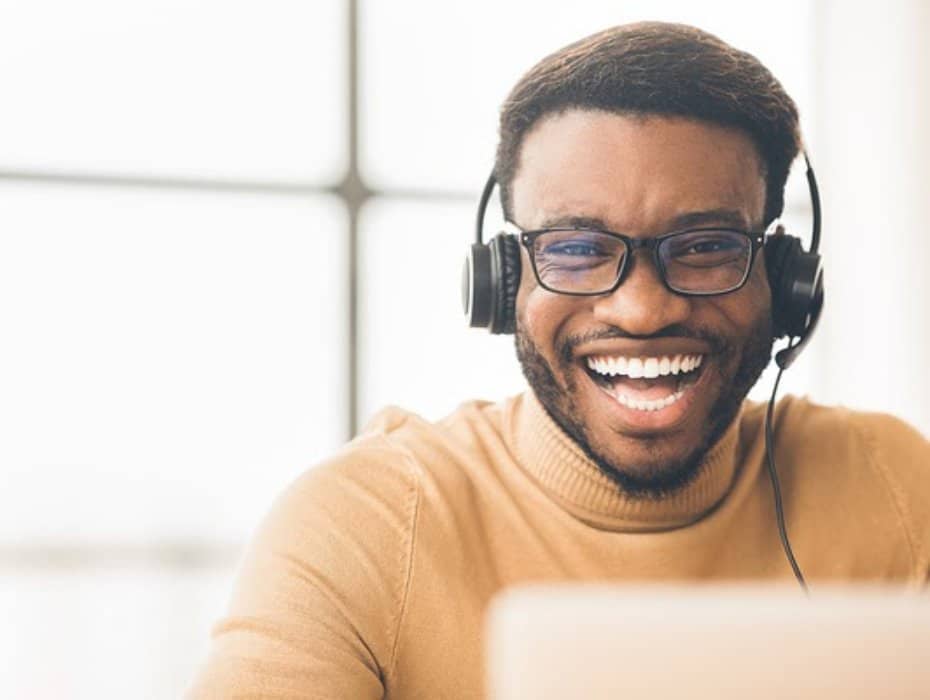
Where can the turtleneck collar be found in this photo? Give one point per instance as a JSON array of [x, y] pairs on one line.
[[571, 479]]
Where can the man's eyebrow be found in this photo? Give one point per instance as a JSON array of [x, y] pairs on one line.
[[710, 217], [563, 221]]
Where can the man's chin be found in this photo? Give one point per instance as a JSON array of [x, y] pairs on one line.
[[648, 454], [658, 463], [646, 462], [648, 468]]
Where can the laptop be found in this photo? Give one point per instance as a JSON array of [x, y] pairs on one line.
[[726, 643]]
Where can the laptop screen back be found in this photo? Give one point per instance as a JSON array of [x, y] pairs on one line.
[[722, 643]]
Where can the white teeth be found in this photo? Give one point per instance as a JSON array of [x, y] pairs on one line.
[[651, 368], [648, 367], [646, 405]]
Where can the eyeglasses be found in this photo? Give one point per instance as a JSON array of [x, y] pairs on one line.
[[696, 262]]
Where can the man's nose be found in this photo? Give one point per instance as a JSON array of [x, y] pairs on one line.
[[642, 305]]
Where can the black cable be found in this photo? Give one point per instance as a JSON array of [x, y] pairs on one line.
[[773, 474]]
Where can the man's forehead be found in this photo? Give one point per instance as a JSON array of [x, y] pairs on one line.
[[589, 163], [638, 138]]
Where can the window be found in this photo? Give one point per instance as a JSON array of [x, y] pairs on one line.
[[214, 266]]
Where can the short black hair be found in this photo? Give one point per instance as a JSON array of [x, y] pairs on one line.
[[657, 68]]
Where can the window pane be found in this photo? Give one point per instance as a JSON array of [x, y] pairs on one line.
[[415, 350], [434, 74], [106, 634], [213, 88], [167, 363]]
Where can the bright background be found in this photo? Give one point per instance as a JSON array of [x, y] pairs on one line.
[[230, 231]]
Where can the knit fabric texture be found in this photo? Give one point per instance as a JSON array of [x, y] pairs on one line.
[[372, 573]]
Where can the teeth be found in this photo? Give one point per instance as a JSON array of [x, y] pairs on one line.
[[645, 405], [647, 367], [665, 366]]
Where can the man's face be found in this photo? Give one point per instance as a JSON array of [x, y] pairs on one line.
[[641, 176]]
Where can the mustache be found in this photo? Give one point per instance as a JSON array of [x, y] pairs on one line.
[[718, 344]]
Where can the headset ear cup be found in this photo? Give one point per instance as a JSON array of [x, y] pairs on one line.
[[476, 286], [505, 281], [803, 293], [796, 280], [778, 250]]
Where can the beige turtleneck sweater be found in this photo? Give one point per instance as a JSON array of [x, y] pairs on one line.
[[371, 575]]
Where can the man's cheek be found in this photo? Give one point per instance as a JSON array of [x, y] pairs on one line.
[[542, 317], [760, 292], [740, 313]]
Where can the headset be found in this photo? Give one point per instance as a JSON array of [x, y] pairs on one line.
[[491, 278]]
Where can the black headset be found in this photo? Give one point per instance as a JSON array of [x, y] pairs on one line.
[[491, 277]]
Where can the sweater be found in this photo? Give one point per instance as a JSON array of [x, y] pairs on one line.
[[371, 576]]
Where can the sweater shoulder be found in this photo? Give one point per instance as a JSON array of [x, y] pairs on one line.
[[835, 425], [881, 441], [874, 460], [322, 588], [391, 453], [444, 448]]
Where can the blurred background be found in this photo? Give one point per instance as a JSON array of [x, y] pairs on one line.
[[231, 231]]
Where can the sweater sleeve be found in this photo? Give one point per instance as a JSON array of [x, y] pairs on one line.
[[321, 590]]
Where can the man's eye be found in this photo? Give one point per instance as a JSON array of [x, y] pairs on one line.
[[573, 249], [706, 249], [710, 245]]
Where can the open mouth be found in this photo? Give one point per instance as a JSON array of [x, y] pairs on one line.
[[645, 383]]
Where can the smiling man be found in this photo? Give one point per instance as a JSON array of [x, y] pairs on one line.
[[641, 171], [643, 377]]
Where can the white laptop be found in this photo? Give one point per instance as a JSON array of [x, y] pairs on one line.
[[599, 642]]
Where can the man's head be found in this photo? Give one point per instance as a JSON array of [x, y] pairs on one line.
[[662, 69], [645, 130]]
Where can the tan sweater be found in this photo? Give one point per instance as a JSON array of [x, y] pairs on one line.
[[371, 575]]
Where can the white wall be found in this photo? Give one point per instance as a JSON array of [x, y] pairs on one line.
[[873, 161]]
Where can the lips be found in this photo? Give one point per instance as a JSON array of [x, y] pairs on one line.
[[645, 383], [647, 392]]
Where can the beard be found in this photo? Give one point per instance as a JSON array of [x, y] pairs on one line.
[[664, 477]]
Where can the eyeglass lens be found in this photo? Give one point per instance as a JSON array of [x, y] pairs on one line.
[[591, 262]]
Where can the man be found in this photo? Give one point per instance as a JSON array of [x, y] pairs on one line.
[[634, 456]]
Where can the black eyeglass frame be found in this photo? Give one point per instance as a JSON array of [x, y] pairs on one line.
[[756, 241]]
